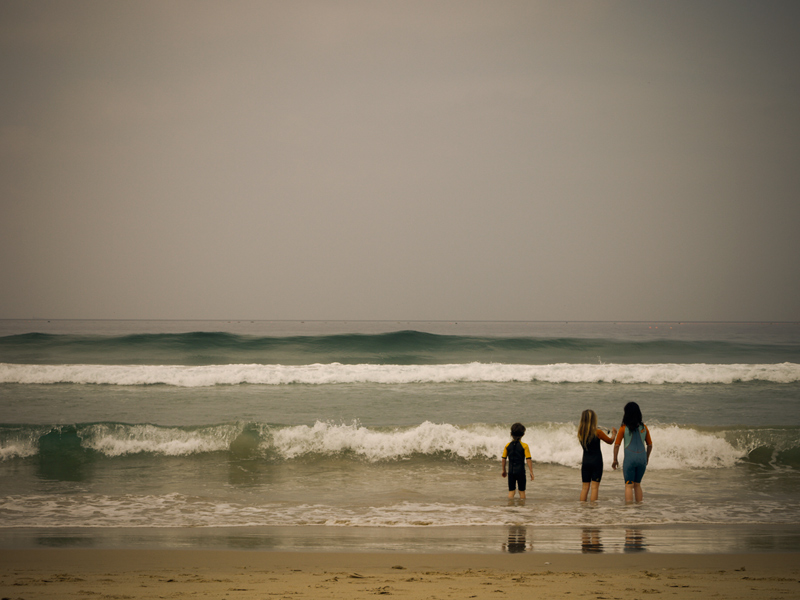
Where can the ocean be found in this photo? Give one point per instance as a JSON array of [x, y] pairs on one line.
[[386, 436]]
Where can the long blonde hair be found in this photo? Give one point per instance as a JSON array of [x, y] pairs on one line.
[[587, 429]]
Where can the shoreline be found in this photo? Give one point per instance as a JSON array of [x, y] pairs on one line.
[[77, 573], [663, 540]]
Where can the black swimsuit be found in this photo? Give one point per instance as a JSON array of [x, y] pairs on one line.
[[592, 467]]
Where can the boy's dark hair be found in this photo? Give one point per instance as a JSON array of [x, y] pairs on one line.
[[517, 430]]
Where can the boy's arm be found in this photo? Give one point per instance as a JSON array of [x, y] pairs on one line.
[[530, 467], [504, 466]]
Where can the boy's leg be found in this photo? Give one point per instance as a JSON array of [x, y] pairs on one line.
[[522, 484], [511, 494]]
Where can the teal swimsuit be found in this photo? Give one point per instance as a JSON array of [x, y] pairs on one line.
[[635, 462]]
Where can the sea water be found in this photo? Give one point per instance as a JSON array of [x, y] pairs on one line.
[[387, 435]]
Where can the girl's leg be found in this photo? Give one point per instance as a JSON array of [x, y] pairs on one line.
[[595, 490], [585, 492], [629, 491], [637, 491]]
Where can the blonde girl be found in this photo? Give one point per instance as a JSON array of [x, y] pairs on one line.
[[589, 435]]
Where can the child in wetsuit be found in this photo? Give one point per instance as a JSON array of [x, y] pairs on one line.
[[589, 436], [638, 446], [517, 454]]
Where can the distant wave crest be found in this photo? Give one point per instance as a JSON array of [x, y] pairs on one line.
[[398, 347], [336, 373]]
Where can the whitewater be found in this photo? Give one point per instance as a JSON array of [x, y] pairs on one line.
[[321, 374]]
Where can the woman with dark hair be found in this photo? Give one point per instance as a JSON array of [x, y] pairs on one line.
[[638, 446]]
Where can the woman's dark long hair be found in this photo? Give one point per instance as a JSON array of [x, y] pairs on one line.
[[632, 417]]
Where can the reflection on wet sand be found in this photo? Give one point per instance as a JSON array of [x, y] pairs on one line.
[[517, 541], [634, 540], [590, 541]]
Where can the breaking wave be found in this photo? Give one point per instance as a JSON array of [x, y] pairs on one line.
[[678, 447], [335, 373]]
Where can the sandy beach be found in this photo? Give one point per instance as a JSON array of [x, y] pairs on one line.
[[79, 573]]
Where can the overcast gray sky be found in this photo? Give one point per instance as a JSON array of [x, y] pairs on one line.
[[400, 160]]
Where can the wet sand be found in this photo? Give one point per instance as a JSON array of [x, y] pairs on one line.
[[31, 574]]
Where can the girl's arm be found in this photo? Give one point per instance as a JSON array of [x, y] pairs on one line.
[[619, 437], [603, 436]]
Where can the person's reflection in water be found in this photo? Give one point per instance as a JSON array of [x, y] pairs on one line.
[[634, 541], [590, 541], [516, 540]]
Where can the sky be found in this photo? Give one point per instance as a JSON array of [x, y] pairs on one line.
[[412, 160]]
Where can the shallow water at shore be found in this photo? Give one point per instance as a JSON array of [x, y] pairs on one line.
[[711, 539]]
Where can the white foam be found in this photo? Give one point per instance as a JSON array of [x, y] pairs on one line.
[[333, 373], [427, 438], [115, 440], [20, 443], [677, 448], [674, 447], [17, 449]]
